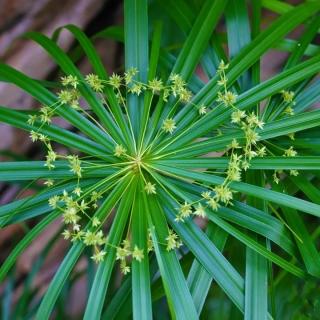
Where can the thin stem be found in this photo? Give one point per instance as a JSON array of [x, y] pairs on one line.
[[97, 123], [146, 123], [128, 117]]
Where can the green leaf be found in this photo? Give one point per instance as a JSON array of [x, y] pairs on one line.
[[46, 97], [308, 188], [70, 69], [181, 12], [238, 32], [277, 6], [307, 97], [307, 248], [103, 274], [7, 298], [199, 279], [18, 118], [141, 293], [289, 45], [256, 29], [136, 53], [33, 206], [306, 245], [248, 189], [184, 16], [120, 305], [32, 170], [154, 57], [271, 130], [309, 33], [177, 292], [100, 70], [117, 304], [272, 110], [112, 32], [198, 37], [256, 278], [256, 304], [266, 163]]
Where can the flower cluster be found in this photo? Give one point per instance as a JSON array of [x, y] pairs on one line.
[[75, 213], [150, 188], [179, 89], [169, 125], [124, 252], [173, 241], [287, 105], [78, 206], [227, 97], [218, 195], [288, 102], [248, 124], [290, 152], [240, 156]]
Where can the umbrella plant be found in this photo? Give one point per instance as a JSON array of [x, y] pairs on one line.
[[186, 173]]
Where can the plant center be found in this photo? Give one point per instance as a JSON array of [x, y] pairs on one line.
[[137, 163]]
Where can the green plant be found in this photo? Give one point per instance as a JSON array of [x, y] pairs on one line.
[[140, 184]]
